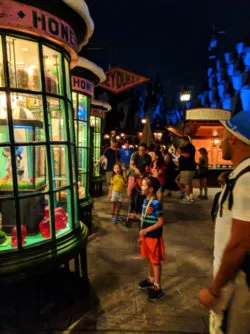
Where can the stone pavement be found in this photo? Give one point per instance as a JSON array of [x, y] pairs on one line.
[[115, 267]]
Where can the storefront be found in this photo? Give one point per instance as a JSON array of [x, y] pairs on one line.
[[84, 76], [39, 221], [97, 112]]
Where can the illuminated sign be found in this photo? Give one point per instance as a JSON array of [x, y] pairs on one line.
[[119, 80], [97, 112], [17, 16], [82, 85]]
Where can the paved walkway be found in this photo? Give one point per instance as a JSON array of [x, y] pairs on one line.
[[115, 267]]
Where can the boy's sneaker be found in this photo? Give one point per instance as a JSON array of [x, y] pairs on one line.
[[114, 220], [154, 293], [145, 284]]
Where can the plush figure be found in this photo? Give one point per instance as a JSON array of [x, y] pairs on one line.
[[44, 228], [14, 235]]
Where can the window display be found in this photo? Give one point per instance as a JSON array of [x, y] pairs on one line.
[[81, 119], [37, 176], [96, 124]]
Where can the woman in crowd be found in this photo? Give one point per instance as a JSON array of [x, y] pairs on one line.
[[157, 170]]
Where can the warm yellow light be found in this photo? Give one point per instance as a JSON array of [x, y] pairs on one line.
[[117, 137], [122, 134], [143, 120], [216, 141], [30, 70]]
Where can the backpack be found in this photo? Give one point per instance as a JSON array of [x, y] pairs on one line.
[[245, 267]]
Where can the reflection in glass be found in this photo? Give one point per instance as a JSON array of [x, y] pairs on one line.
[[53, 71], [23, 63], [96, 121], [57, 122], [82, 113], [74, 100]]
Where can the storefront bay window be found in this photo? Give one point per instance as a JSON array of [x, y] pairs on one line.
[[96, 124], [38, 186]]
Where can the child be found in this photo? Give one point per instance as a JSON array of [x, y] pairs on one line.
[[203, 172], [118, 182], [150, 236], [157, 169], [222, 179]]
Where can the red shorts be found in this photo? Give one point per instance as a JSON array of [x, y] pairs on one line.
[[153, 249]]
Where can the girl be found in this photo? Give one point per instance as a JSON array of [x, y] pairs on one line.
[[118, 183], [157, 169], [150, 236], [203, 172]]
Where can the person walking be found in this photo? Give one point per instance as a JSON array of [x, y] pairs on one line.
[[203, 172], [150, 236], [118, 184], [228, 296], [125, 153], [187, 167]]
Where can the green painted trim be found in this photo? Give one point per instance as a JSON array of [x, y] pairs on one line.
[[85, 202]]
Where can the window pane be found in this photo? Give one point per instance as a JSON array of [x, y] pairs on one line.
[[53, 71], [82, 185], [6, 182], [4, 129], [82, 159], [63, 211], [82, 113], [71, 124], [27, 113], [60, 166], [57, 123], [23, 63], [67, 73], [82, 134], [8, 217], [76, 207], [2, 82], [31, 168], [74, 100]]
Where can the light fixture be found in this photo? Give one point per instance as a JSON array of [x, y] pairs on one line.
[[117, 137], [106, 136], [216, 141], [185, 97], [25, 49], [122, 134], [143, 121]]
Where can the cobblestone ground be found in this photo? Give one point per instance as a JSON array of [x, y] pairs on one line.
[[115, 267], [114, 304]]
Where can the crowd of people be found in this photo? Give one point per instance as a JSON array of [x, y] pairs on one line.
[[148, 172]]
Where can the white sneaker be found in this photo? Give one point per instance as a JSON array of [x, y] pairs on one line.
[[185, 201]]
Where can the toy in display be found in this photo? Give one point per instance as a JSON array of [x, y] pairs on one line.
[[61, 220], [14, 236]]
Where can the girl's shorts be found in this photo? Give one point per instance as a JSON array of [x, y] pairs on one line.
[[153, 249], [116, 196]]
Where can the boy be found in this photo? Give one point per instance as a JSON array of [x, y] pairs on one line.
[[150, 236]]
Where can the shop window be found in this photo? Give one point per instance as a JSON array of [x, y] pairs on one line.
[[57, 119], [96, 122], [82, 112], [67, 74], [23, 64], [53, 71], [27, 114], [4, 129], [2, 82], [7, 222], [63, 205], [6, 184], [74, 100], [60, 166]]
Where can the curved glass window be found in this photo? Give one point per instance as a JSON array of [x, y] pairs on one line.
[[82, 131], [37, 151], [96, 123]]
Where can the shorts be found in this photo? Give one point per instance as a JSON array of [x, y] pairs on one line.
[[116, 196], [109, 177], [153, 249], [186, 177]]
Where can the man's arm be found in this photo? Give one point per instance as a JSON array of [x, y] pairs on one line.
[[234, 255], [100, 160]]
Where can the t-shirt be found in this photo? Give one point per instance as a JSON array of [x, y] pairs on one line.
[[154, 211], [125, 155], [240, 211], [141, 162], [203, 165], [118, 183], [188, 163], [112, 157]]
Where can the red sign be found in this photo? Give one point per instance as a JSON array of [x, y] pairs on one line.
[[119, 80], [82, 85], [97, 112], [20, 17]]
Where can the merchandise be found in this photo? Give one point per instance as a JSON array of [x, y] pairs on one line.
[[14, 235]]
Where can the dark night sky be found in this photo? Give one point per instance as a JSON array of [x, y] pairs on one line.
[[166, 37]]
